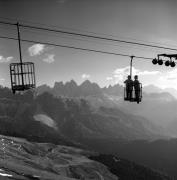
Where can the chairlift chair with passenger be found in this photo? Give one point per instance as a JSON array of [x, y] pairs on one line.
[[130, 94]]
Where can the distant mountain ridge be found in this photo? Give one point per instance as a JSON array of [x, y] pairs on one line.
[[157, 105], [87, 88], [154, 89], [71, 89], [74, 118]]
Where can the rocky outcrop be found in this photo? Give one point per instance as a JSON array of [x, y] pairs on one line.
[[20, 159]]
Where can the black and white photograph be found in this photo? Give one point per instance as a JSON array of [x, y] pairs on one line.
[[88, 90]]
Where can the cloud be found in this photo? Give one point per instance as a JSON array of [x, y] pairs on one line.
[[121, 74], [148, 73], [168, 79], [85, 76], [170, 76], [5, 60], [49, 59], [2, 79], [109, 78], [36, 49]]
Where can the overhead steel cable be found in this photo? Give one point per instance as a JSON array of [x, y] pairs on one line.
[[8, 23], [96, 37], [88, 36], [77, 48], [83, 31]]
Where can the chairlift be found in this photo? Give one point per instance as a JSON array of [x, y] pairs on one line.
[[132, 95], [22, 74]]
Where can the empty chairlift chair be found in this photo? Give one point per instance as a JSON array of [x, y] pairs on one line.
[[22, 76]]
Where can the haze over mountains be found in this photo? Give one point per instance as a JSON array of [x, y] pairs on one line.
[[88, 117], [89, 88], [154, 89], [158, 106], [70, 117]]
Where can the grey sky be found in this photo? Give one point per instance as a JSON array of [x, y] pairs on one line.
[[145, 21]]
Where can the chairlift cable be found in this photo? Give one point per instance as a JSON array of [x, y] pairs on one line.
[[88, 36], [81, 31], [77, 48]]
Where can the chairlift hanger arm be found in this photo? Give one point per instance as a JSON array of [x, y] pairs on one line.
[[131, 62], [168, 55]]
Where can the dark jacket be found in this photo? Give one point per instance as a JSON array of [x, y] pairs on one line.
[[136, 84], [129, 84]]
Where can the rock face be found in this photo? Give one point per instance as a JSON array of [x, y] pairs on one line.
[[71, 89], [20, 159], [24, 160]]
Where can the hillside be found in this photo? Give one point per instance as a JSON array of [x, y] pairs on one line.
[[73, 122], [157, 105], [128, 170], [25, 160], [54, 119], [21, 159]]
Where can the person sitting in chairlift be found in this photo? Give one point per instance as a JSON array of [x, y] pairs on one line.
[[129, 87], [136, 85]]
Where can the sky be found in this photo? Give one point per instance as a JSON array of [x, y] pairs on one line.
[[152, 22]]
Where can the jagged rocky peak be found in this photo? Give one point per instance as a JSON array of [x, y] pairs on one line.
[[116, 89], [89, 88], [116, 86], [58, 84], [43, 88], [88, 83], [69, 89], [71, 84]]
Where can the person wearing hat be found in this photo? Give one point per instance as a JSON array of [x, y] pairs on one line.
[[129, 87], [136, 85]]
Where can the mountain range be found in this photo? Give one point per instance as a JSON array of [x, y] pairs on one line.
[[157, 105], [73, 118], [71, 89], [154, 89], [76, 120]]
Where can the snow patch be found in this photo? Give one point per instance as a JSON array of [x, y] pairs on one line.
[[4, 174], [45, 120]]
